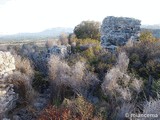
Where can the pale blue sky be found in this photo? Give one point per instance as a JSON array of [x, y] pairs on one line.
[[36, 15]]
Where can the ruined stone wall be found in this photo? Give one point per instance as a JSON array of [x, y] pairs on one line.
[[7, 94], [116, 31]]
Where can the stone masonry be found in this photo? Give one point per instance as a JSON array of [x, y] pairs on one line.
[[7, 94], [116, 31]]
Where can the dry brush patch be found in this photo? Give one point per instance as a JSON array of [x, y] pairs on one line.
[[81, 107], [54, 113], [22, 79], [117, 82], [22, 86], [24, 66], [122, 88], [76, 77]]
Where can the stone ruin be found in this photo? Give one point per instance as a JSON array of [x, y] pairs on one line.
[[116, 31], [7, 94], [60, 50]]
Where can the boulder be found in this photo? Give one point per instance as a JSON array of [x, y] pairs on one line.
[[60, 50]]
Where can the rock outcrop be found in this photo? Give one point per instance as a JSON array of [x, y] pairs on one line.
[[116, 31], [60, 50], [7, 94]]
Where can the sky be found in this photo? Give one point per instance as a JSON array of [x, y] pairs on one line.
[[17, 16]]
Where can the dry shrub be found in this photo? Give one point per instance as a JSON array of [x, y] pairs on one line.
[[62, 75], [81, 107], [63, 38], [24, 66], [85, 108], [22, 86], [53, 113], [136, 85], [82, 80], [50, 43], [122, 62], [58, 70], [58, 73], [117, 81]]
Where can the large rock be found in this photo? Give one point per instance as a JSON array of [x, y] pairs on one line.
[[60, 50], [7, 94], [116, 31]]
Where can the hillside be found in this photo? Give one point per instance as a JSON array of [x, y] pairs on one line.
[[49, 33]]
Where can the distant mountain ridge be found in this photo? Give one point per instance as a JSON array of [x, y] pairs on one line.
[[156, 26], [55, 32], [49, 33], [155, 29]]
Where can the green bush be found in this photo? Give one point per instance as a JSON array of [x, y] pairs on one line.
[[147, 36], [87, 29], [39, 82], [156, 86], [87, 41], [144, 59]]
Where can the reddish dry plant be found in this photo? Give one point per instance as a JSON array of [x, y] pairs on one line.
[[54, 113]]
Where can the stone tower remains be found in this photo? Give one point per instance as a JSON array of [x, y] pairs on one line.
[[116, 31]]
